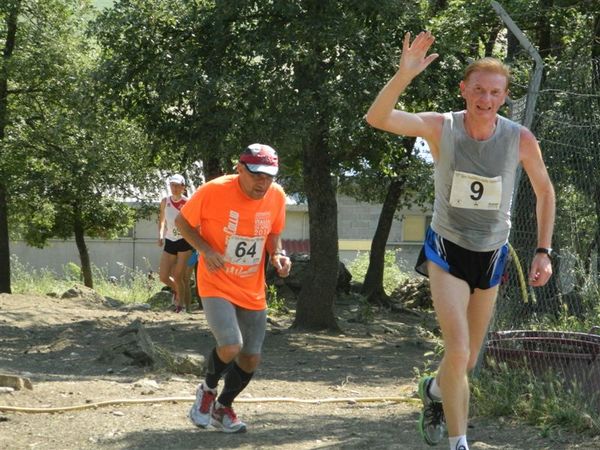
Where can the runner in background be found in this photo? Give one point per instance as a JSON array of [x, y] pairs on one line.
[[173, 269]]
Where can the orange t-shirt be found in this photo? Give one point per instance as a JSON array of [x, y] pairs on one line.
[[237, 227]]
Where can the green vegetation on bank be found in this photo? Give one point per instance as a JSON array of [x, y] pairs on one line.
[[131, 286], [540, 400]]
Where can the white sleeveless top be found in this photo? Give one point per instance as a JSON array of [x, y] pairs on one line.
[[474, 184], [171, 212]]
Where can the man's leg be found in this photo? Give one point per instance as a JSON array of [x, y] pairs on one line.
[[238, 377], [222, 321], [253, 327], [451, 299], [479, 314]]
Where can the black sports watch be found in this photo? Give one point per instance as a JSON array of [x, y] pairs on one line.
[[546, 250]]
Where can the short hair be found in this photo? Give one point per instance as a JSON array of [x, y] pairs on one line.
[[488, 64]]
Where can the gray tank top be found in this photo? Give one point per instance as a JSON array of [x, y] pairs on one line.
[[474, 184]]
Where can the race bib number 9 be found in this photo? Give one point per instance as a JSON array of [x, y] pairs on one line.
[[475, 192], [244, 251]]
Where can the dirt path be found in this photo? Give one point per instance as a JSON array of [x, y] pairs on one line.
[[56, 342]]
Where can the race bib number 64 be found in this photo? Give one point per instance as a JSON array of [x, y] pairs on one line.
[[244, 251], [475, 192]]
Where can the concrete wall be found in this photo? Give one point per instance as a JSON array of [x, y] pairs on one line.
[[356, 226]]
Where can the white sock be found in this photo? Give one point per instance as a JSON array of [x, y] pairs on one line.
[[435, 393], [458, 443]]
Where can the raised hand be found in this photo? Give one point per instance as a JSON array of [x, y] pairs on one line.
[[414, 58]]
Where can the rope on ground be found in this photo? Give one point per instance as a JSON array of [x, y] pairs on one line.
[[134, 401]]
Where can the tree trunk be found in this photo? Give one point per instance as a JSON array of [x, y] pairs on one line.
[[84, 256], [596, 47], [546, 45], [9, 45], [372, 288], [596, 85], [513, 47], [4, 243], [315, 309], [596, 242], [491, 41], [212, 168]]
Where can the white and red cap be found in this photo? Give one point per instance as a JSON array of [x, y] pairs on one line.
[[260, 158]]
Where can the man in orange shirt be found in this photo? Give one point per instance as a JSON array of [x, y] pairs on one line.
[[233, 221]]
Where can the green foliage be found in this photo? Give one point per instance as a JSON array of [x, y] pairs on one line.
[[72, 272], [542, 401], [392, 275], [68, 158], [165, 63], [576, 308], [275, 303], [579, 310]]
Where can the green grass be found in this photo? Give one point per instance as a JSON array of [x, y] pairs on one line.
[[130, 286], [541, 400]]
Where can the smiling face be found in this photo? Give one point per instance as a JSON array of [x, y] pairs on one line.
[[254, 185], [484, 93]]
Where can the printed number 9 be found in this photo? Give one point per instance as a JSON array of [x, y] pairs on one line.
[[477, 190]]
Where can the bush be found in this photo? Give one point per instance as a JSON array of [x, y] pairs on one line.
[[392, 275]]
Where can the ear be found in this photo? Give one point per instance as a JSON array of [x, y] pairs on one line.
[[239, 168], [462, 88]]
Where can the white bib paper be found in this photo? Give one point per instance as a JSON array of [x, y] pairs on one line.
[[475, 192], [244, 251]]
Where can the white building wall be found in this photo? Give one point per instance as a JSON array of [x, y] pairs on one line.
[[356, 225]]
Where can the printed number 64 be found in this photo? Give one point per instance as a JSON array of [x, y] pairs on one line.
[[242, 249]]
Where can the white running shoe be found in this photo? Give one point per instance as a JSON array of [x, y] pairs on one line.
[[203, 406]]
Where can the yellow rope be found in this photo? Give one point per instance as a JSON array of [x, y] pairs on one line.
[[520, 275], [191, 399]]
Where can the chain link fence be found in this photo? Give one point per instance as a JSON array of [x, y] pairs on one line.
[[555, 330]]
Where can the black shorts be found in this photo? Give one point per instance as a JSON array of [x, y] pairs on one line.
[[481, 270], [178, 246]]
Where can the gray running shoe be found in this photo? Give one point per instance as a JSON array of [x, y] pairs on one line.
[[203, 406], [432, 423], [225, 419]]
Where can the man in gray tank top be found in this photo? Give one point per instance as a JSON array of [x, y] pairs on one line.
[[476, 154]]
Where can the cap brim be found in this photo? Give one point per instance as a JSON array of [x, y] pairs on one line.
[[259, 168]]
